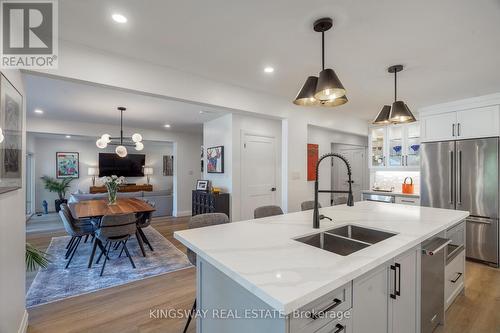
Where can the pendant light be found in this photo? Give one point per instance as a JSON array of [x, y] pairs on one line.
[[325, 90], [399, 112], [121, 142]]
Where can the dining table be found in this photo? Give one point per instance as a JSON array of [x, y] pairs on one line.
[[100, 208]]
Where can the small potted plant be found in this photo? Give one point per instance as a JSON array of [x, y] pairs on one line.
[[59, 187], [112, 184]]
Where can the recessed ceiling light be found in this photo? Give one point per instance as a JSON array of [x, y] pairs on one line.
[[68, 136], [167, 125], [119, 18], [202, 112], [268, 69], [38, 111]]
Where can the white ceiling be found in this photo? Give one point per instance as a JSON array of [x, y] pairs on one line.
[[75, 101], [450, 47]]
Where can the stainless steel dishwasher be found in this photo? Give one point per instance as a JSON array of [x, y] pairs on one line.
[[432, 283]]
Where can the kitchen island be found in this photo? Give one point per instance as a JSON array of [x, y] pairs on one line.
[[255, 276]]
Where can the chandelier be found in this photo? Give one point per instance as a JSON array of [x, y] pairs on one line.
[[121, 142]]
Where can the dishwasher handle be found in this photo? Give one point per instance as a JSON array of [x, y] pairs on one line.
[[435, 245]]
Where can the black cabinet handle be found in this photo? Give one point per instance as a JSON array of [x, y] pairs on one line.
[[453, 130], [393, 296], [316, 315], [339, 328], [458, 129], [398, 291], [456, 279], [273, 189]]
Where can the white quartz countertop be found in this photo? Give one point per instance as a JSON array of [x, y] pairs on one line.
[[263, 257], [396, 194]]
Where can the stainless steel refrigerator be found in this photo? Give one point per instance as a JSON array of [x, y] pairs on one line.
[[464, 175]]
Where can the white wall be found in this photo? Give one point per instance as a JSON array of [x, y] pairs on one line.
[[186, 147], [324, 138], [44, 148], [218, 132], [82, 63], [12, 243]]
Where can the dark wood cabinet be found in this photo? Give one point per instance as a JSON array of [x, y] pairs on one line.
[[206, 202]]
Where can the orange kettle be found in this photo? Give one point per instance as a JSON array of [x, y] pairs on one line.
[[407, 188]]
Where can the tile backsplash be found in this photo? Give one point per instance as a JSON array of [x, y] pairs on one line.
[[388, 179]]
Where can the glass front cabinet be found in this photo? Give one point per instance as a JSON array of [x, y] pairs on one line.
[[395, 146]]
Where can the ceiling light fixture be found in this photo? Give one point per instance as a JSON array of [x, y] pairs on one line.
[[167, 125], [399, 112], [68, 136], [269, 69], [119, 18], [38, 111], [325, 90], [121, 142]]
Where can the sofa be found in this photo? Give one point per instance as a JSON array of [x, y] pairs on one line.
[[163, 199]]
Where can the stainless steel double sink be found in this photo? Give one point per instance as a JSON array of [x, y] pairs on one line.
[[346, 239]]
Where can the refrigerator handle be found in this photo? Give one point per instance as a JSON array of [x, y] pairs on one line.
[[459, 178], [451, 176]]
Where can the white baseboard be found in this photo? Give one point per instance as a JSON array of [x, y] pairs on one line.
[[24, 323], [183, 213]]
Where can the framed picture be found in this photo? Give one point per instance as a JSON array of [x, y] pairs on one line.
[[67, 165], [215, 159], [11, 136], [168, 165], [202, 185], [312, 160]]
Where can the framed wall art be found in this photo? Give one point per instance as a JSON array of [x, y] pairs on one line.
[[168, 165], [67, 165], [11, 136], [312, 160], [215, 159]]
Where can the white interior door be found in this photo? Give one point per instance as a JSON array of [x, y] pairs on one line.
[[357, 160], [258, 173]]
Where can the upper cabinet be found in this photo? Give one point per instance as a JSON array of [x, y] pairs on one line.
[[395, 146], [471, 123]]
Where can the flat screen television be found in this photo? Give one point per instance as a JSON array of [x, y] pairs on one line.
[[129, 166]]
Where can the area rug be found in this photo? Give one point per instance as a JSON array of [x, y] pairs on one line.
[[56, 283]]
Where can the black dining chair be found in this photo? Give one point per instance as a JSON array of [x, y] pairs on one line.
[[113, 229], [75, 230], [144, 221]]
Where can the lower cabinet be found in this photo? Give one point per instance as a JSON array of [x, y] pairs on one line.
[[385, 299]]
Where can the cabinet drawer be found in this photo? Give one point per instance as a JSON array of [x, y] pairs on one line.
[[408, 201], [338, 300], [454, 278], [342, 326], [457, 234]]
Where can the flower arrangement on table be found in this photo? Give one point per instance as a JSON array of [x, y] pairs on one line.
[[112, 184]]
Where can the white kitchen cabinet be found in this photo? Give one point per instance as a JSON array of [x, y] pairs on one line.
[[371, 301], [461, 124], [385, 299], [478, 123], [395, 147], [403, 308], [454, 278], [412, 201]]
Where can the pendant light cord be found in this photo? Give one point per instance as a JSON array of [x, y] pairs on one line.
[[121, 127], [395, 86], [323, 50]]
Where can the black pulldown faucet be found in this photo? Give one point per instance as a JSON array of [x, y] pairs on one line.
[[350, 199]]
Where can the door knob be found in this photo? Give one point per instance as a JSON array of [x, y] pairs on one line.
[[273, 189]]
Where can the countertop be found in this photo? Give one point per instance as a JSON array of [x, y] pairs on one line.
[[263, 257], [396, 194]]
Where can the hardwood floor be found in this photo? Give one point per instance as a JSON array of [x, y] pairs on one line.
[[126, 309], [123, 308]]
